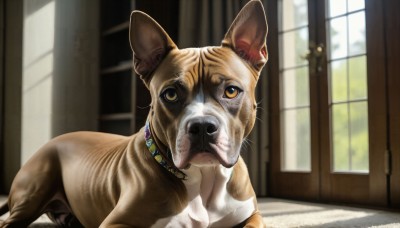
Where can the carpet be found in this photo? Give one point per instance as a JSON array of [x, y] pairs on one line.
[[288, 213], [280, 213]]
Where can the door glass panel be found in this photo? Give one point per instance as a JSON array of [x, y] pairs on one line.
[[357, 33], [337, 7], [293, 45], [296, 140], [340, 128], [358, 78], [348, 85], [359, 135], [338, 37], [295, 87], [297, 14], [294, 81], [339, 85], [350, 131], [354, 5]]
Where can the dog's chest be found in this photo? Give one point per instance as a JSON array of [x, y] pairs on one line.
[[210, 204]]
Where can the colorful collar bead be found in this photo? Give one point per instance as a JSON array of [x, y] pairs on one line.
[[155, 153]]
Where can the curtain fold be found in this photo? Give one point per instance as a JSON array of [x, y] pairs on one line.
[[204, 23]]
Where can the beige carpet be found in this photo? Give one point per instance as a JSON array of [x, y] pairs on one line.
[[286, 213]]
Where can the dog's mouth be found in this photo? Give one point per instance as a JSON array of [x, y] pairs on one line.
[[205, 141], [202, 158], [189, 153]]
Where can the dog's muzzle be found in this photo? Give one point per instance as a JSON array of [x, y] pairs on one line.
[[201, 141], [203, 132]]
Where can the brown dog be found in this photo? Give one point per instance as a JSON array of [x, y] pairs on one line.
[[183, 169]]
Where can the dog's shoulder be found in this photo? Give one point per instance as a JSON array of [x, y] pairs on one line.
[[88, 137]]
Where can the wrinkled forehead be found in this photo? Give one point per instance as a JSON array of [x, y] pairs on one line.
[[193, 66]]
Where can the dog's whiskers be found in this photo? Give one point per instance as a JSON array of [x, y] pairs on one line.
[[246, 144]]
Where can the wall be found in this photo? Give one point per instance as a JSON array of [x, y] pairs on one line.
[[12, 72], [60, 70], [48, 75], [38, 56], [76, 66]]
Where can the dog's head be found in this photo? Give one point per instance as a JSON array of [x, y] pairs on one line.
[[203, 102]]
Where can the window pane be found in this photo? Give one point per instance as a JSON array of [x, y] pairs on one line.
[[354, 5], [339, 85], [340, 144], [295, 88], [296, 14], [357, 33], [358, 78], [350, 137], [296, 140], [338, 37], [348, 85], [337, 7], [294, 45], [359, 136], [294, 85]]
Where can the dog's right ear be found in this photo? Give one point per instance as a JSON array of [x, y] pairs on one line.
[[247, 34], [149, 43]]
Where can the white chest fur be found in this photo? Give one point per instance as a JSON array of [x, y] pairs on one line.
[[210, 204]]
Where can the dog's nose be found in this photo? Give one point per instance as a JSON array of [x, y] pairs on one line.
[[205, 125]]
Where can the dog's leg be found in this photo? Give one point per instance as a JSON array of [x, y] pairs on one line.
[[33, 188], [4, 209], [115, 226], [19, 217], [254, 221], [115, 220], [27, 205], [26, 208]]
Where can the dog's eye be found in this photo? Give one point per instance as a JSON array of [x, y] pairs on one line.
[[170, 95], [231, 92]]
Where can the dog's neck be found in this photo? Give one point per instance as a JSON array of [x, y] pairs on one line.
[[161, 156]]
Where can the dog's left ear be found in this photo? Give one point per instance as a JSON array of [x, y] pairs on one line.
[[247, 34], [149, 43]]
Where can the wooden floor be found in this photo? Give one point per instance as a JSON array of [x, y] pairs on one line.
[[286, 213]]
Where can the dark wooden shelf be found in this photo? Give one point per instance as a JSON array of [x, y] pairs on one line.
[[122, 94], [123, 66], [116, 116], [116, 28]]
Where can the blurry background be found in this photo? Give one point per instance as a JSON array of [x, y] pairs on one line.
[[328, 126]]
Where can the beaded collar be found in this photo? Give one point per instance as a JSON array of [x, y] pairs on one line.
[[158, 156]]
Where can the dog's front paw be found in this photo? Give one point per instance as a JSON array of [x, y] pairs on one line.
[[254, 221], [2, 224]]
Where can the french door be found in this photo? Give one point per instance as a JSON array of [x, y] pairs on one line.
[[328, 101]]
